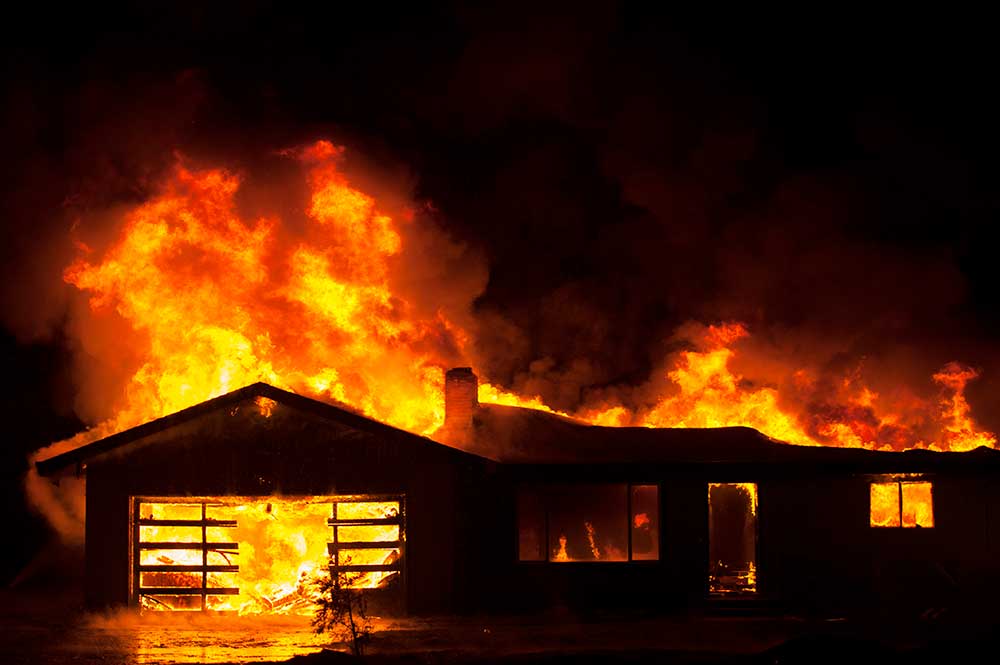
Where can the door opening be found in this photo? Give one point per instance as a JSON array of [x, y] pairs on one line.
[[732, 538]]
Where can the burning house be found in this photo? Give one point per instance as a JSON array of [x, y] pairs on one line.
[[234, 504]]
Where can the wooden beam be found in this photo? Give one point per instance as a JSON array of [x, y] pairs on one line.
[[189, 569], [389, 545], [189, 591], [365, 521], [367, 568], [188, 546], [198, 523]]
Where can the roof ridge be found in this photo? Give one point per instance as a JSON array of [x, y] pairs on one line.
[[340, 413]]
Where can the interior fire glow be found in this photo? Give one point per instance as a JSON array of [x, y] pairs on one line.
[[260, 555]]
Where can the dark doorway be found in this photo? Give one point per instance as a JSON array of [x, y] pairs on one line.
[[732, 537]]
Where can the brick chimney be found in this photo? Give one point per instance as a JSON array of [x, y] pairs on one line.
[[461, 399]]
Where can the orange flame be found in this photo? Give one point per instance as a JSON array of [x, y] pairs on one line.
[[960, 431], [709, 394], [216, 301]]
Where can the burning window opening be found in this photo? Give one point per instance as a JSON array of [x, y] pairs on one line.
[[732, 538], [901, 503], [589, 523], [367, 547], [260, 555], [644, 509]]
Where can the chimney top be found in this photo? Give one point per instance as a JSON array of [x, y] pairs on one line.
[[461, 398]]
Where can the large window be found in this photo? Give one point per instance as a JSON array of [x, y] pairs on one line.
[[902, 503], [589, 522]]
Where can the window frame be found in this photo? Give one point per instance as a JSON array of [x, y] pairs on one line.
[[899, 480], [544, 492]]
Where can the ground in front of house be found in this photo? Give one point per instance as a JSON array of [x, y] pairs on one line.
[[48, 629]]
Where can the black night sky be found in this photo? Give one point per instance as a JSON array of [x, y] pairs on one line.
[[826, 172]]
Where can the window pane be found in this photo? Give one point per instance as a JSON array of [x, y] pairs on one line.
[[223, 580], [222, 511], [377, 533], [353, 510], [170, 534], [588, 523], [530, 526], [162, 580], [645, 523], [222, 557], [170, 511], [190, 603], [885, 504], [918, 505], [170, 557], [368, 557]]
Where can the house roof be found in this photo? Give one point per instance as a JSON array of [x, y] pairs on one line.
[[516, 435], [519, 436], [322, 409]]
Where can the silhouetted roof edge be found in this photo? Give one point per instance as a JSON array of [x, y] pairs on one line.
[[610, 438], [358, 421], [322, 409]]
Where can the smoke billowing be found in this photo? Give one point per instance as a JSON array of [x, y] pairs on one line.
[[587, 190]]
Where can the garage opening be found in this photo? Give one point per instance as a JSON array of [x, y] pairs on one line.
[[261, 555], [732, 538]]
